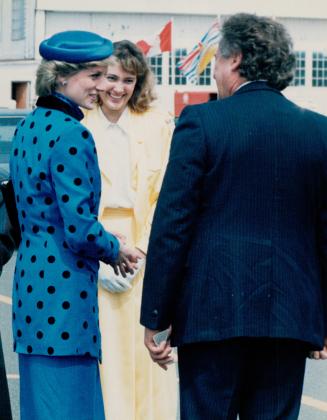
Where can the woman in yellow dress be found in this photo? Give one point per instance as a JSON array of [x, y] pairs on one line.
[[132, 137]]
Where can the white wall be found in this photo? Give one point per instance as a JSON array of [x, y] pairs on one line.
[[300, 8], [188, 28], [16, 50], [16, 72]]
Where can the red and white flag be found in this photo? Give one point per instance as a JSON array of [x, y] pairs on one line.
[[158, 43]]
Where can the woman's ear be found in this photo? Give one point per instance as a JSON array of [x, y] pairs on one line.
[[61, 81], [61, 84]]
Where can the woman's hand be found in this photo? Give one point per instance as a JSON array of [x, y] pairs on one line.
[[127, 260]]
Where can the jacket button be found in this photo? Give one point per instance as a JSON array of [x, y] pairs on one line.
[[155, 312]]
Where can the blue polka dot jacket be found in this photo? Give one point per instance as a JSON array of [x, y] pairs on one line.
[[57, 184]]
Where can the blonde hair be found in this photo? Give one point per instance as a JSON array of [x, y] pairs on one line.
[[49, 71], [132, 60]]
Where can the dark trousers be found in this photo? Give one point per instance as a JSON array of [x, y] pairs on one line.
[[257, 379], [5, 410]]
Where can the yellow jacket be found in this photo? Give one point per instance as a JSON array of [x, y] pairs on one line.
[[150, 136]]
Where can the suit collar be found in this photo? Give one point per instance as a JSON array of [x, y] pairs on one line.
[[254, 86]]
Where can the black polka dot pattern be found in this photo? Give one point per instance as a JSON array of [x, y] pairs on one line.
[[83, 294], [51, 320], [90, 237], [35, 229], [72, 228], [65, 335], [51, 290], [66, 305], [57, 187]]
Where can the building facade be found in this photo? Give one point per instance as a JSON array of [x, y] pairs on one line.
[[24, 23]]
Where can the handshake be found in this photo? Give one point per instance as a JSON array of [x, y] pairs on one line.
[[118, 276]]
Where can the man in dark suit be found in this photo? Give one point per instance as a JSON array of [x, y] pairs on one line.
[[7, 246], [236, 264]]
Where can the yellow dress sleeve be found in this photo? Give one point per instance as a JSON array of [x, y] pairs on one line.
[[166, 136]]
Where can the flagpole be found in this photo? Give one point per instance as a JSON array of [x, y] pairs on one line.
[[213, 58], [172, 56]]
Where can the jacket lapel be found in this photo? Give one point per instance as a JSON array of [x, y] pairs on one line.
[[136, 147]]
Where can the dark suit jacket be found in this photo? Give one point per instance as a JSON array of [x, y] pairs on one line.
[[239, 235]]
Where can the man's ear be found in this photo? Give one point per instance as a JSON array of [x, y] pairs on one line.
[[236, 61]]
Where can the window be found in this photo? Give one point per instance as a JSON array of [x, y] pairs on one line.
[[319, 69], [179, 79], [205, 76], [299, 75], [18, 20], [155, 64]]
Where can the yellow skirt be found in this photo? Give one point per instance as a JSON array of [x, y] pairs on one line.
[[134, 388]]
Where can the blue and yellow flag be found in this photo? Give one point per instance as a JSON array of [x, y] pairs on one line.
[[197, 60]]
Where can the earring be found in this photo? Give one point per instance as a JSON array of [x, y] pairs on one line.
[[64, 82]]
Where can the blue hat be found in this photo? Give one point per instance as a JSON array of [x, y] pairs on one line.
[[76, 47]]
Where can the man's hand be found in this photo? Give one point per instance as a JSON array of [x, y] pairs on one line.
[[159, 354], [127, 259], [320, 355]]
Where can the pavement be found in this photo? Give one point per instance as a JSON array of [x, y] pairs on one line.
[[314, 401]]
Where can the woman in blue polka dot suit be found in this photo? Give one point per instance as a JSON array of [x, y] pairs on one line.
[[56, 180]]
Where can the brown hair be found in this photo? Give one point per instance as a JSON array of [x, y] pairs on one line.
[[132, 60]]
